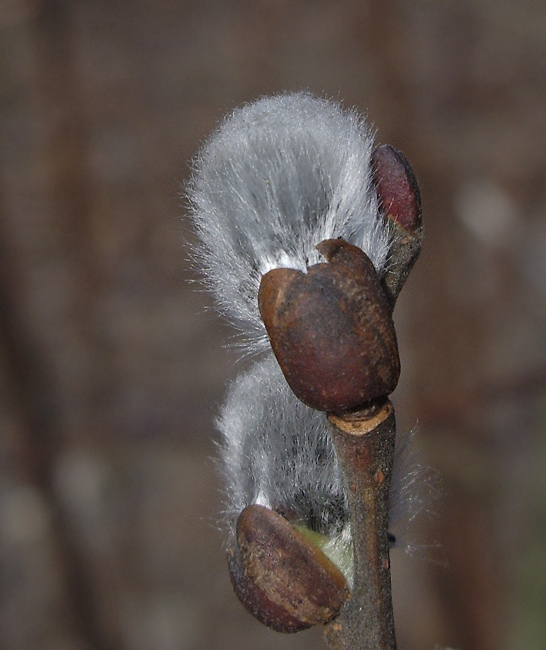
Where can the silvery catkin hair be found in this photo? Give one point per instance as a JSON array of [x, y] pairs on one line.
[[276, 452], [276, 178]]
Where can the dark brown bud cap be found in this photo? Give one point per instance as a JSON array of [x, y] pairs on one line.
[[280, 576], [331, 329]]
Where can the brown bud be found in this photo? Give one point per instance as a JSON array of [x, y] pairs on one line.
[[400, 199], [281, 577], [331, 329]]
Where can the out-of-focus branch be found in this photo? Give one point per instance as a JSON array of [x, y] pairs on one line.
[[33, 399], [32, 380]]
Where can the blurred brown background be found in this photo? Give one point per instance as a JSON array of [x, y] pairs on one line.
[[112, 366]]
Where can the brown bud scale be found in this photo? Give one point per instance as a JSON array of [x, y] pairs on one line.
[[281, 577], [331, 329]]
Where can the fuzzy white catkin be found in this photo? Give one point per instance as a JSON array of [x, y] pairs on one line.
[[276, 178], [276, 451]]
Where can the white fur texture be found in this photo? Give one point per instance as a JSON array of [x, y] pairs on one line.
[[276, 451], [276, 178]]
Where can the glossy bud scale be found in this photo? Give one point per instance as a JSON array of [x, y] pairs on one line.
[[400, 201], [281, 577], [331, 329], [397, 187]]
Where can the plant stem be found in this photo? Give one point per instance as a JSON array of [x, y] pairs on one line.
[[364, 444]]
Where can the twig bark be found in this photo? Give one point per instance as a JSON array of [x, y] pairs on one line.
[[364, 445]]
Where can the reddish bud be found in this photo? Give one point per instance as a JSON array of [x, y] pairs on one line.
[[400, 199], [397, 187], [331, 329]]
